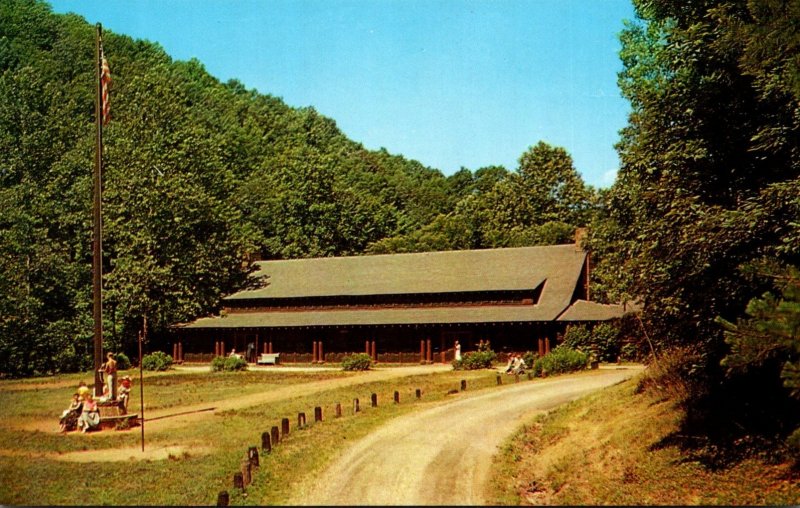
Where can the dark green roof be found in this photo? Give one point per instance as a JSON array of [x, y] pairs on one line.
[[557, 268], [377, 316], [582, 310], [426, 272]]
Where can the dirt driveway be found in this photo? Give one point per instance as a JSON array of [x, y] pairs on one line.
[[442, 456]]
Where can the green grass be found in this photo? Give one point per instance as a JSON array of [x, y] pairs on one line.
[[603, 449], [195, 478], [598, 450]]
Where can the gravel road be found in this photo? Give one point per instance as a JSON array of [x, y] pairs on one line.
[[442, 455]]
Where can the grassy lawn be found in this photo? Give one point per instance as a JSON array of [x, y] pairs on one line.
[[599, 450], [163, 390], [33, 472], [604, 449]]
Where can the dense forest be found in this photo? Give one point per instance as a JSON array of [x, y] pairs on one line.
[[200, 179], [702, 225]]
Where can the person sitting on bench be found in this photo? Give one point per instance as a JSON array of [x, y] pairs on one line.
[[90, 415], [69, 418]]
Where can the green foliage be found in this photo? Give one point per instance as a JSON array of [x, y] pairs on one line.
[[358, 361], [218, 363], [123, 362], [770, 333], [484, 346], [629, 352], [670, 375], [157, 360], [541, 203], [228, 363], [708, 185], [235, 363], [553, 187], [794, 441], [601, 341], [200, 177], [708, 170], [771, 330], [476, 360], [530, 357], [560, 360], [578, 337]]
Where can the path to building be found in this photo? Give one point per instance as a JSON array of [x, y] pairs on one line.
[[193, 413], [170, 418], [443, 455]]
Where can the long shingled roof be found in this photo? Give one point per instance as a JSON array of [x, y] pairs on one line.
[[582, 310], [557, 268]]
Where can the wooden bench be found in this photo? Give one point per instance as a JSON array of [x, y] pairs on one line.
[[109, 408], [111, 422], [269, 359], [112, 414]]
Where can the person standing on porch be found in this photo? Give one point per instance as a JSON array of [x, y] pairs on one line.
[[458, 351]]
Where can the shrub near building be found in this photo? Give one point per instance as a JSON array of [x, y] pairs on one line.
[[123, 362], [157, 361], [560, 360], [230, 363], [483, 358], [475, 360], [601, 340], [359, 361]]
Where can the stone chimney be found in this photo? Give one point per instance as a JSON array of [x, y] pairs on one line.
[[580, 237]]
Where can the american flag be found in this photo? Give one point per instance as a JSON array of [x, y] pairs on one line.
[[105, 81]]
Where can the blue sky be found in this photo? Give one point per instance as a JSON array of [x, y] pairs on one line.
[[450, 83]]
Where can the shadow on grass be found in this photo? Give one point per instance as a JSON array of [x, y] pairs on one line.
[[728, 419]]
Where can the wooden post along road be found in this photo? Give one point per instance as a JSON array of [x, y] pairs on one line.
[[442, 455]]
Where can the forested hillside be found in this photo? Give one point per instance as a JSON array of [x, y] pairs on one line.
[[200, 178]]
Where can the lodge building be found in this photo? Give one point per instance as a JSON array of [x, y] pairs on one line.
[[402, 307]]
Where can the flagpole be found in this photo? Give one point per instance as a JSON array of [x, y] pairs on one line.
[[141, 375], [97, 244]]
